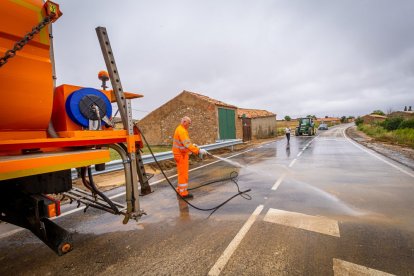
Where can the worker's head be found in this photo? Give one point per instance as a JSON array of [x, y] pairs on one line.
[[186, 122]]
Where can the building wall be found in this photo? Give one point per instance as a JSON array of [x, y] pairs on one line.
[[371, 119], [239, 128], [264, 127], [402, 114], [159, 126]]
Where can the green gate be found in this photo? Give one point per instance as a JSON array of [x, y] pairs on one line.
[[227, 125]]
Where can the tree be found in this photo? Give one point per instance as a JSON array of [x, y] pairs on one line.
[[343, 119], [378, 112], [287, 118]]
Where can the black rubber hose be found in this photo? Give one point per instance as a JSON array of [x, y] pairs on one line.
[[102, 195], [213, 209]]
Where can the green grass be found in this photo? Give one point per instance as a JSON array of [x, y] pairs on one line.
[[114, 155], [280, 131], [403, 137]]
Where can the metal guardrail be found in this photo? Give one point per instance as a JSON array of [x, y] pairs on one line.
[[117, 165]]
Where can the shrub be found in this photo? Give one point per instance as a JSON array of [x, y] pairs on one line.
[[378, 112], [407, 124], [392, 123], [359, 121]]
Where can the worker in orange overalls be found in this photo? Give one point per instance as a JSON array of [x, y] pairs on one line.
[[182, 148]]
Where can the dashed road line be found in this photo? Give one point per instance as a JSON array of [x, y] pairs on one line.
[[278, 182], [292, 163], [341, 267], [228, 252], [316, 224]]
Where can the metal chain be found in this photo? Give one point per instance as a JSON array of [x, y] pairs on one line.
[[21, 43]]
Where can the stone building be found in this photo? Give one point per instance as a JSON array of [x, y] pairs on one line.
[[403, 114], [212, 120], [329, 120], [256, 124], [373, 118]]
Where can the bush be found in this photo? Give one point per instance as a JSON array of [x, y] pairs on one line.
[[359, 121], [378, 112], [407, 124], [392, 123]]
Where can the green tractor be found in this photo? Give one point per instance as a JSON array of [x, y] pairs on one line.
[[306, 126]]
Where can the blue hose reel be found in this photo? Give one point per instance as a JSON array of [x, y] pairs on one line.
[[88, 104]]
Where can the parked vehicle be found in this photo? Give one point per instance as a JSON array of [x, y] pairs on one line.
[[323, 127]]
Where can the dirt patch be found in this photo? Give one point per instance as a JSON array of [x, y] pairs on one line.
[[399, 154]]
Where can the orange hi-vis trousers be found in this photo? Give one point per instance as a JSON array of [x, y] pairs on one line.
[[182, 170]]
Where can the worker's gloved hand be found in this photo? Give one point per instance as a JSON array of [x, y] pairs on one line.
[[201, 153]]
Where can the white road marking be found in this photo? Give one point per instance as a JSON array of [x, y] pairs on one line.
[[292, 163], [224, 258], [300, 153], [346, 268], [376, 156], [11, 232], [311, 223], [278, 182]]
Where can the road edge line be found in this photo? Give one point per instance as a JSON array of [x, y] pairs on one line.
[[375, 155]]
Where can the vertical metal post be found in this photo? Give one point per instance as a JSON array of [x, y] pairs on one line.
[[124, 107]]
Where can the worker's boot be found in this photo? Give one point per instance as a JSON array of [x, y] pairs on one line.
[[187, 196]]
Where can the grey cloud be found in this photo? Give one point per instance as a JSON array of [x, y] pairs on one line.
[[289, 57]]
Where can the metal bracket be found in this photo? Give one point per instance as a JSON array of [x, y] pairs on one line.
[[126, 115]]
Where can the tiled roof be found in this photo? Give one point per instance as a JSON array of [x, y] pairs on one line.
[[213, 101], [254, 113], [376, 116]]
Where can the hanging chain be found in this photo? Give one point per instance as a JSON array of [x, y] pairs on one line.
[[21, 43]]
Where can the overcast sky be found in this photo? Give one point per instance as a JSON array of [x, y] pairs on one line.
[[294, 58]]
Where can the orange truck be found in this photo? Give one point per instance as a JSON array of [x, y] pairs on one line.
[[46, 131]]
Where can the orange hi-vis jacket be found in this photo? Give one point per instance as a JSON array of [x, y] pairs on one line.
[[182, 146], [182, 143]]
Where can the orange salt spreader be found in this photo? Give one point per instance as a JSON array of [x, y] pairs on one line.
[[47, 131]]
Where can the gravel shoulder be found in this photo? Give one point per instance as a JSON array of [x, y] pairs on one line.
[[399, 154]]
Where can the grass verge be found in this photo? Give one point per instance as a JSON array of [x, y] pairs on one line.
[[155, 149], [404, 137]]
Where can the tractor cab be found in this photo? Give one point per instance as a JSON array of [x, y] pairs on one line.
[[305, 126]]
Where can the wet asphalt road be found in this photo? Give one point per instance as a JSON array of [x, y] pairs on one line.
[[364, 207]]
